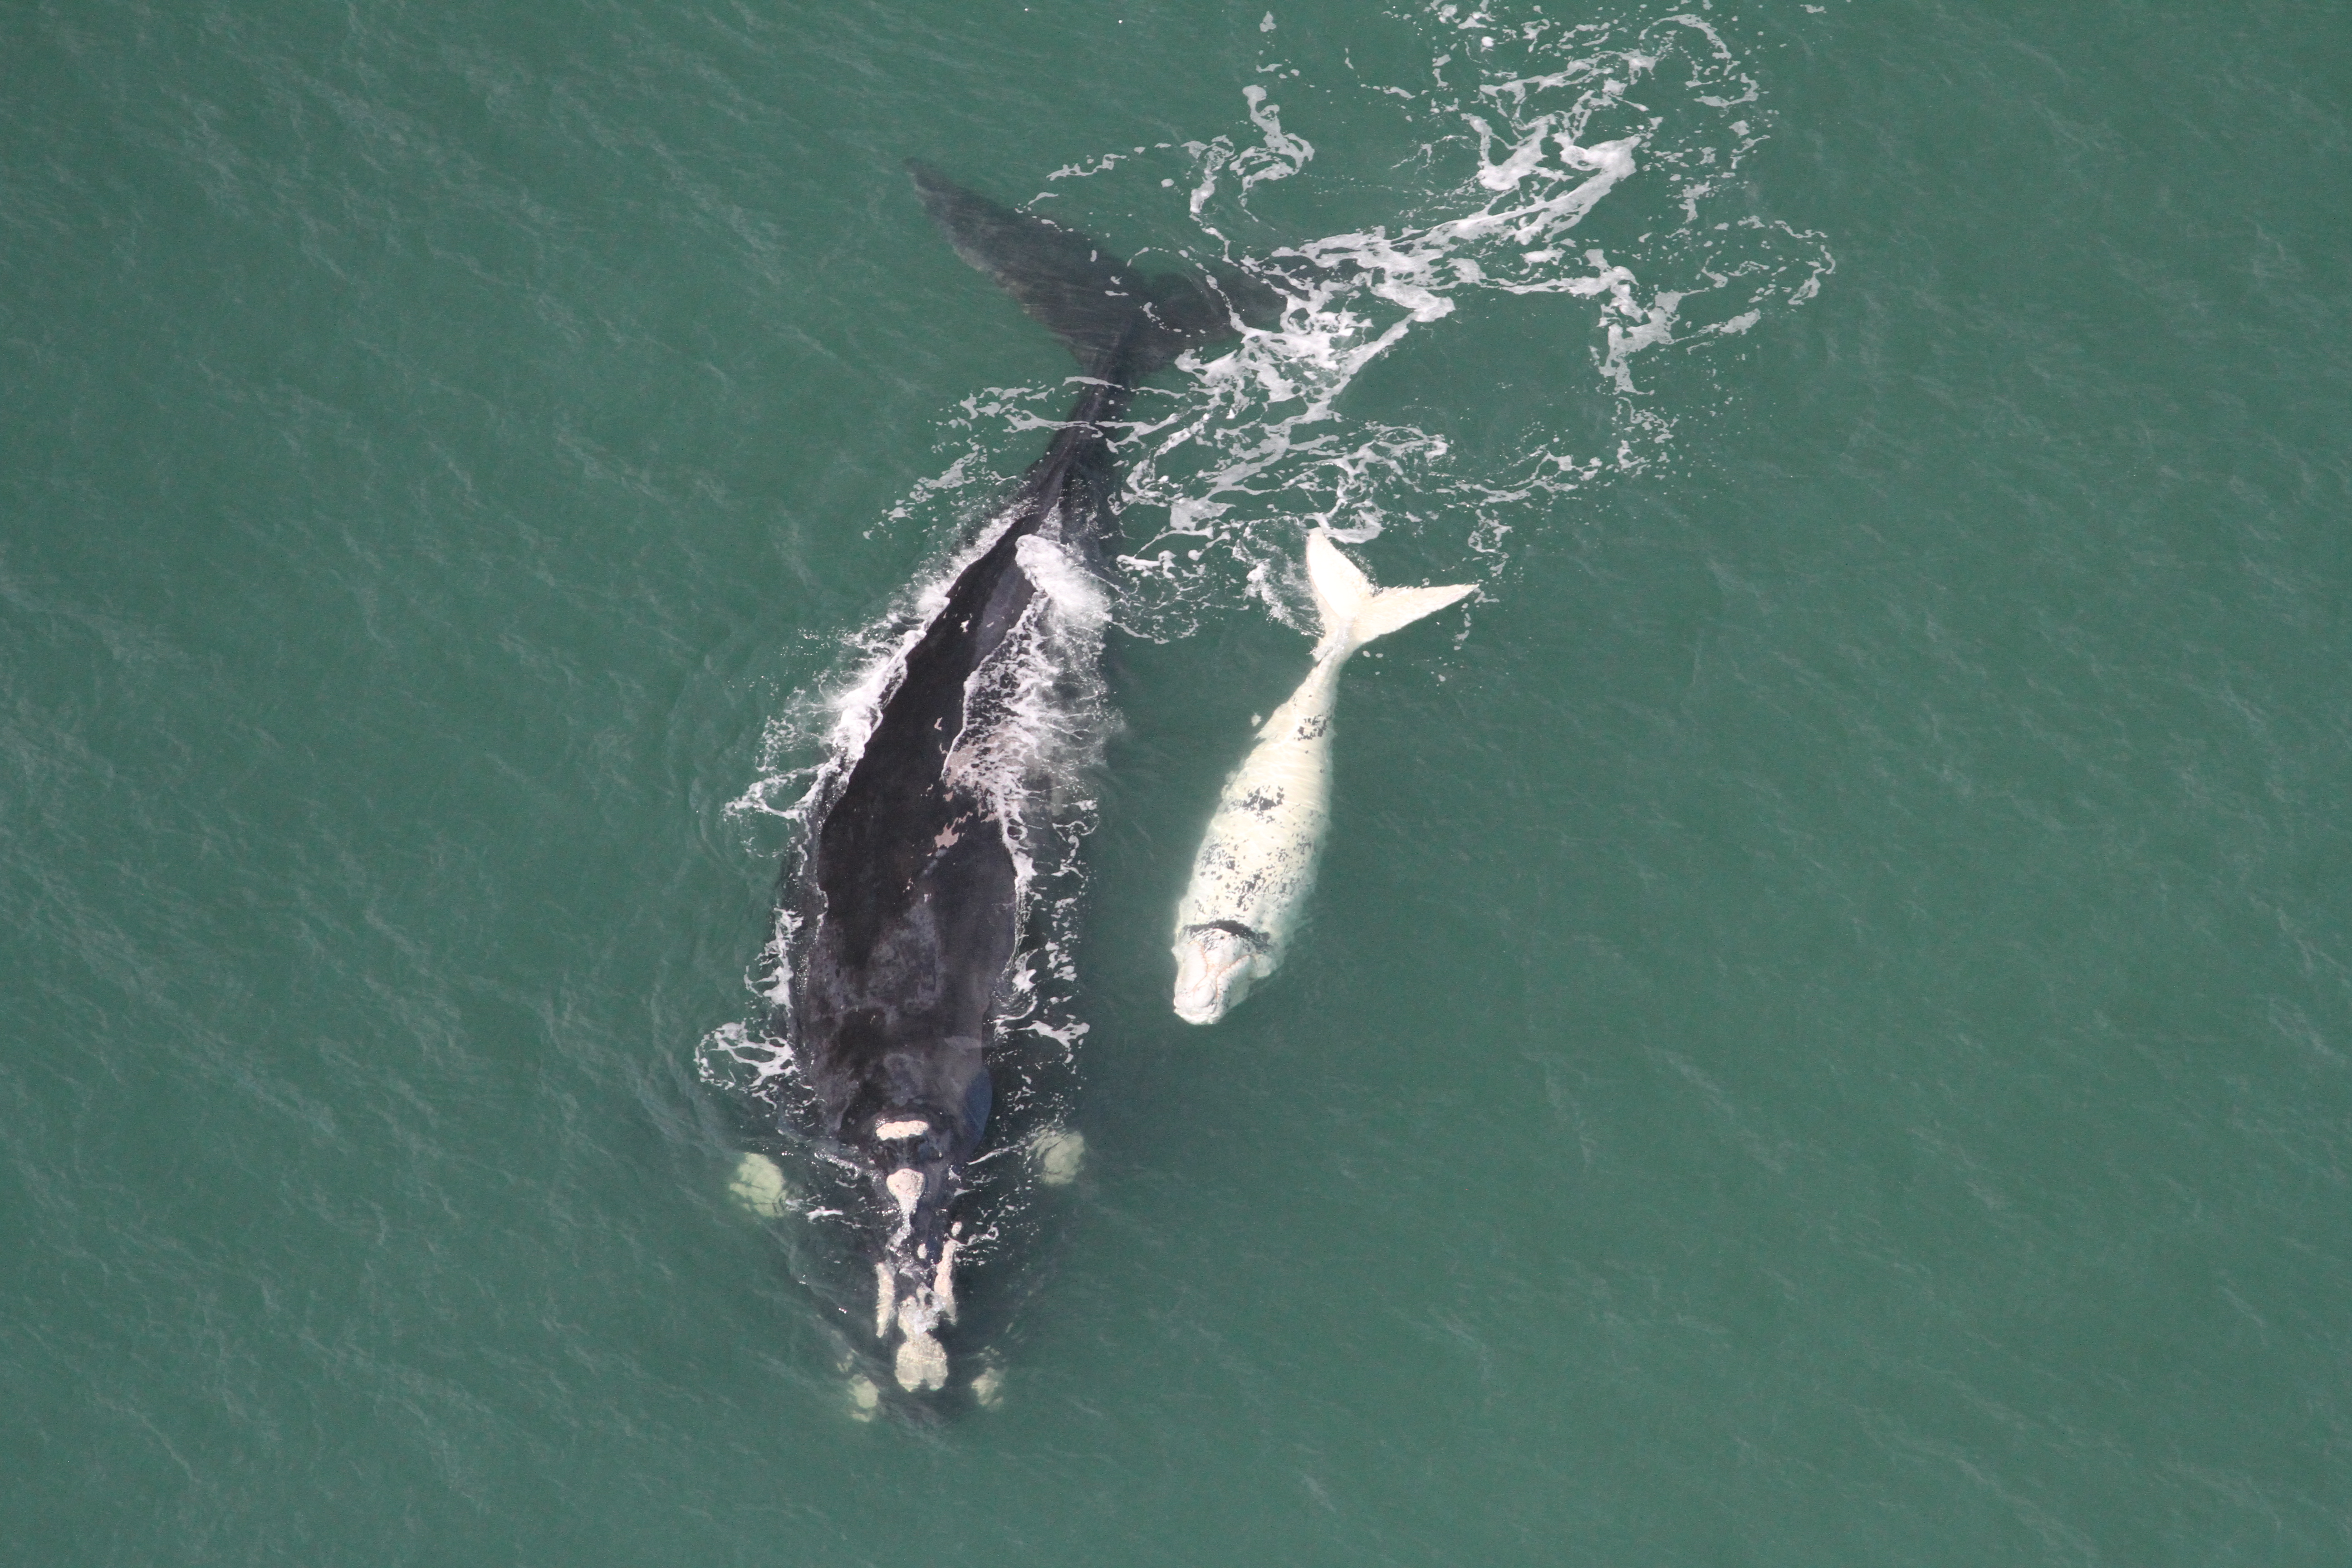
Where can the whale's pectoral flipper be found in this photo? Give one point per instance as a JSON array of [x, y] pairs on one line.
[[1120, 323]]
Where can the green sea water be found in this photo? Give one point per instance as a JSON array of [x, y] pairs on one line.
[[1826, 1035]]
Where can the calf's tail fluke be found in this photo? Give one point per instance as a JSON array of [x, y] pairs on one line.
[[1353, 611], [1120, 323]]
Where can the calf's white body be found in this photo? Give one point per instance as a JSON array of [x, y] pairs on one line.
[[1256, 863]]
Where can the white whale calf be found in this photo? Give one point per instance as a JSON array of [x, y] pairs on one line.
[[1257, 863]]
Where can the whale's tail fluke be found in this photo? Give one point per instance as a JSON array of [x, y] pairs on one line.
[[1122, 324], [1353, 611]]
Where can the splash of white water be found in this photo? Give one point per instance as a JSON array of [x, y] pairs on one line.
[[1526, 128]]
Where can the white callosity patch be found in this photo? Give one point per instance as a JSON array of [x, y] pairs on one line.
[[906, 1189], [922, 1363], [1256, 863], [890, 1132], [916, 1315], [912, 1300]]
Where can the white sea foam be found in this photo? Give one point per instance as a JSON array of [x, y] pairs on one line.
[[1524, 129]]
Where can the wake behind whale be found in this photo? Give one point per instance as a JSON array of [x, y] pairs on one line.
[[908, 939]]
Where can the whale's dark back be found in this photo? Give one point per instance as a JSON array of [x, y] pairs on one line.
[[910, 884], [912, 869]]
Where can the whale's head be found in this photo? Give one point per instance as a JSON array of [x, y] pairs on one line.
[[914, 1132], [1216, 964]]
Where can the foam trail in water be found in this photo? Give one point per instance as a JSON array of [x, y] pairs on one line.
[[1524, 129]]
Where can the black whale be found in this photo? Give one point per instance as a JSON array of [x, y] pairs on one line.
[[905, 897]]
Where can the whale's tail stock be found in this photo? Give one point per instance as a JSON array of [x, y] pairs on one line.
[[1122, 324], [1353, 611]]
